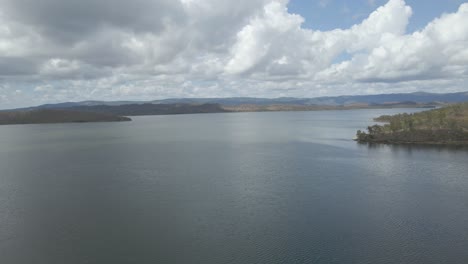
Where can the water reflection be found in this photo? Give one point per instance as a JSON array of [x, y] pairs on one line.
[[415, 147]]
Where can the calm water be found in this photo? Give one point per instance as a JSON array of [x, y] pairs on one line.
[[228, 188]]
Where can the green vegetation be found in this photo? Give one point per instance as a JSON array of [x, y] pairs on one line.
[[151, 109], [46, 116], [448, 125]]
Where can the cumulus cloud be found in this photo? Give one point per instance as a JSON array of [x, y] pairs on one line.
[[436, 52], [55, 50], [263, 39]]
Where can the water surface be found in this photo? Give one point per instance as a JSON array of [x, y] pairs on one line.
[[286, 187]]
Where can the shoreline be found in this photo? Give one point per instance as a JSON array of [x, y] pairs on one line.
[[425, 143]]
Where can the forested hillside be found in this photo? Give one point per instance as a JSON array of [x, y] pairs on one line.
[[56, 116], [448, 125]]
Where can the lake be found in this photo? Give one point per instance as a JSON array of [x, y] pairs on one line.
[[283, 187]]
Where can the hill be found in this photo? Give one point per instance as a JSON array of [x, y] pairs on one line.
[[152, 109], [236, 103], [447, 125], [46, 116], [379, 99]]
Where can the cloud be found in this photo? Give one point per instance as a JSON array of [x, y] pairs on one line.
[[70, 21], [274, 44], [436, 52], [264, 39], [118, 49]]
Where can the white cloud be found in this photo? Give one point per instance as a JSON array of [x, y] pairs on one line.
[[263, 38], [436, 52], [218, 48]]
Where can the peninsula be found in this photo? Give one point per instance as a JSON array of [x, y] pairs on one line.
[[446, 126], [47, 116]]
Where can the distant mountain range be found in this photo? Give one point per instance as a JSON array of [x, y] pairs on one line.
[[248, 104], [419, 97], [97, 111], [379, 99]]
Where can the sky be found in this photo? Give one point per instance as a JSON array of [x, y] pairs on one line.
[[62, 50]]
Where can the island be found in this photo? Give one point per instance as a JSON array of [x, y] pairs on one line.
[[446, 126], [48, 116]]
